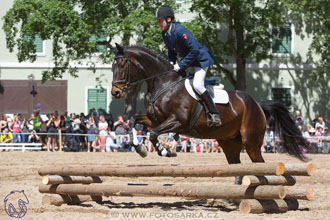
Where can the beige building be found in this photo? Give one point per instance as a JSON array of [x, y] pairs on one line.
[[284, 78]]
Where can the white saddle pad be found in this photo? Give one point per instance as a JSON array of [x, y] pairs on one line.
[[220, 95]]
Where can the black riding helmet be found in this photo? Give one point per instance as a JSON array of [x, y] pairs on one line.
[[164, 12]]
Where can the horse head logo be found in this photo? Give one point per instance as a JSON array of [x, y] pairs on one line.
[[15, 204]]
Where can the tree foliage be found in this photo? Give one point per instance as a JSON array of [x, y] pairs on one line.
[[70, 24], [236, 30], [315, 17]]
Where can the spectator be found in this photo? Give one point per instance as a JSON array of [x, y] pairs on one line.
[[315, 120], [37, 121], [215, 146], [269, 142], [319, 132], [197, 145], [25, 131], [102, 127], [3, 122], [320, 123], [124, 145], [6, 136], [298, 119], [16, 129], [33, 137], [71, 143], [75, 124], [326, 141], [312, 139], [148, 144], [62, 128], [121, 128], [110, 142], [171, 141], [9, 121], [91, 131], [83, 130], [207, 145], [163, 140], [110, 121], [96, 144], [52, 126]]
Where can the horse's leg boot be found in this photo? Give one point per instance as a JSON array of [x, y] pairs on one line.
[[214, 118]]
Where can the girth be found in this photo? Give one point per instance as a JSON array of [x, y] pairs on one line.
[[158, 94]]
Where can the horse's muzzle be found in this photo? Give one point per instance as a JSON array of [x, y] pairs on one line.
[[116, 93]]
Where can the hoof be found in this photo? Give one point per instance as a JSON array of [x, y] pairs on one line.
[[172, 153], [141, 150]]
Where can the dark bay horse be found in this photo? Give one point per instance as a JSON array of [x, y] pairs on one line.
[[169, 108]]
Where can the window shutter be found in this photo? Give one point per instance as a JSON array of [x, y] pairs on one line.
[[38, 42], [99, 48], [282, 39], [97, 98]]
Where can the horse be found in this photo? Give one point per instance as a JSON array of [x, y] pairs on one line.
[[170, 108]]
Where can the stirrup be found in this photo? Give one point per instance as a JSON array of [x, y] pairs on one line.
[[213, 120]]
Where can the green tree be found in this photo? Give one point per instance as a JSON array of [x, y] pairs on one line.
[[240, 31], [314, 15], [70, 25]]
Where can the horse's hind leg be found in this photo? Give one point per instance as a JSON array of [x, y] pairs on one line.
[[232, 149]]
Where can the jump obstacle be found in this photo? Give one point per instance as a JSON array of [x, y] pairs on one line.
[[266, 187]]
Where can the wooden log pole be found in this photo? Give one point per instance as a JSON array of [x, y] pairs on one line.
[[300, 169], [59, 200], [268, 180], [259, 169], [198, 192], [55, 179], [259, 206], [299, 193]]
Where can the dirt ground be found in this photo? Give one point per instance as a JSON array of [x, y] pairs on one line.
[[19, 172]]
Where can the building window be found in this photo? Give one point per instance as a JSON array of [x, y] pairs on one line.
[[38, 44], [97, 98], [97, 38], [282, 40], [283, 95]]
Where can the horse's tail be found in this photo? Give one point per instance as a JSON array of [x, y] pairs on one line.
[[278, 118]]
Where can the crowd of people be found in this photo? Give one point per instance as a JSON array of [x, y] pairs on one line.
[[100, 132], [317, 134]]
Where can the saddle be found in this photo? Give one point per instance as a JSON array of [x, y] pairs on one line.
[[218, 95]]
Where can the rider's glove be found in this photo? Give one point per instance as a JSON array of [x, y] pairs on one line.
[[176, 68]]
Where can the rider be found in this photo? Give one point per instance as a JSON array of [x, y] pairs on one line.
[[180, 41]]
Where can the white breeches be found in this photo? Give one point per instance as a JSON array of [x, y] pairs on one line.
[[199, 78]]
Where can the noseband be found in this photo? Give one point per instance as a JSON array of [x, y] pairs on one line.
[[127, 75]]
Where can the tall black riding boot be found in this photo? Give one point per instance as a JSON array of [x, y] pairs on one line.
[[213, 119]]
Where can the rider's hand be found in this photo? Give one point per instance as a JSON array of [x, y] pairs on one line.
[[176, 68]]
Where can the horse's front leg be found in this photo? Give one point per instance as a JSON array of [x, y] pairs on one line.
[[138, 119], [170, 125]]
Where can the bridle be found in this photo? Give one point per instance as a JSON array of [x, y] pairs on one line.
[[127, 75]]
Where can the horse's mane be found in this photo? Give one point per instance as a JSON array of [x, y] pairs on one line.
[[151, 52]]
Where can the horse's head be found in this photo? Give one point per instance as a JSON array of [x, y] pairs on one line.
[[125, 71]]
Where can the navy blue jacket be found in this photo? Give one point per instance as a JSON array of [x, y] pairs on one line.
[[181, 42]]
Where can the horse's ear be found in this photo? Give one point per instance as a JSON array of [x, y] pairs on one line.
[[120, 49]]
